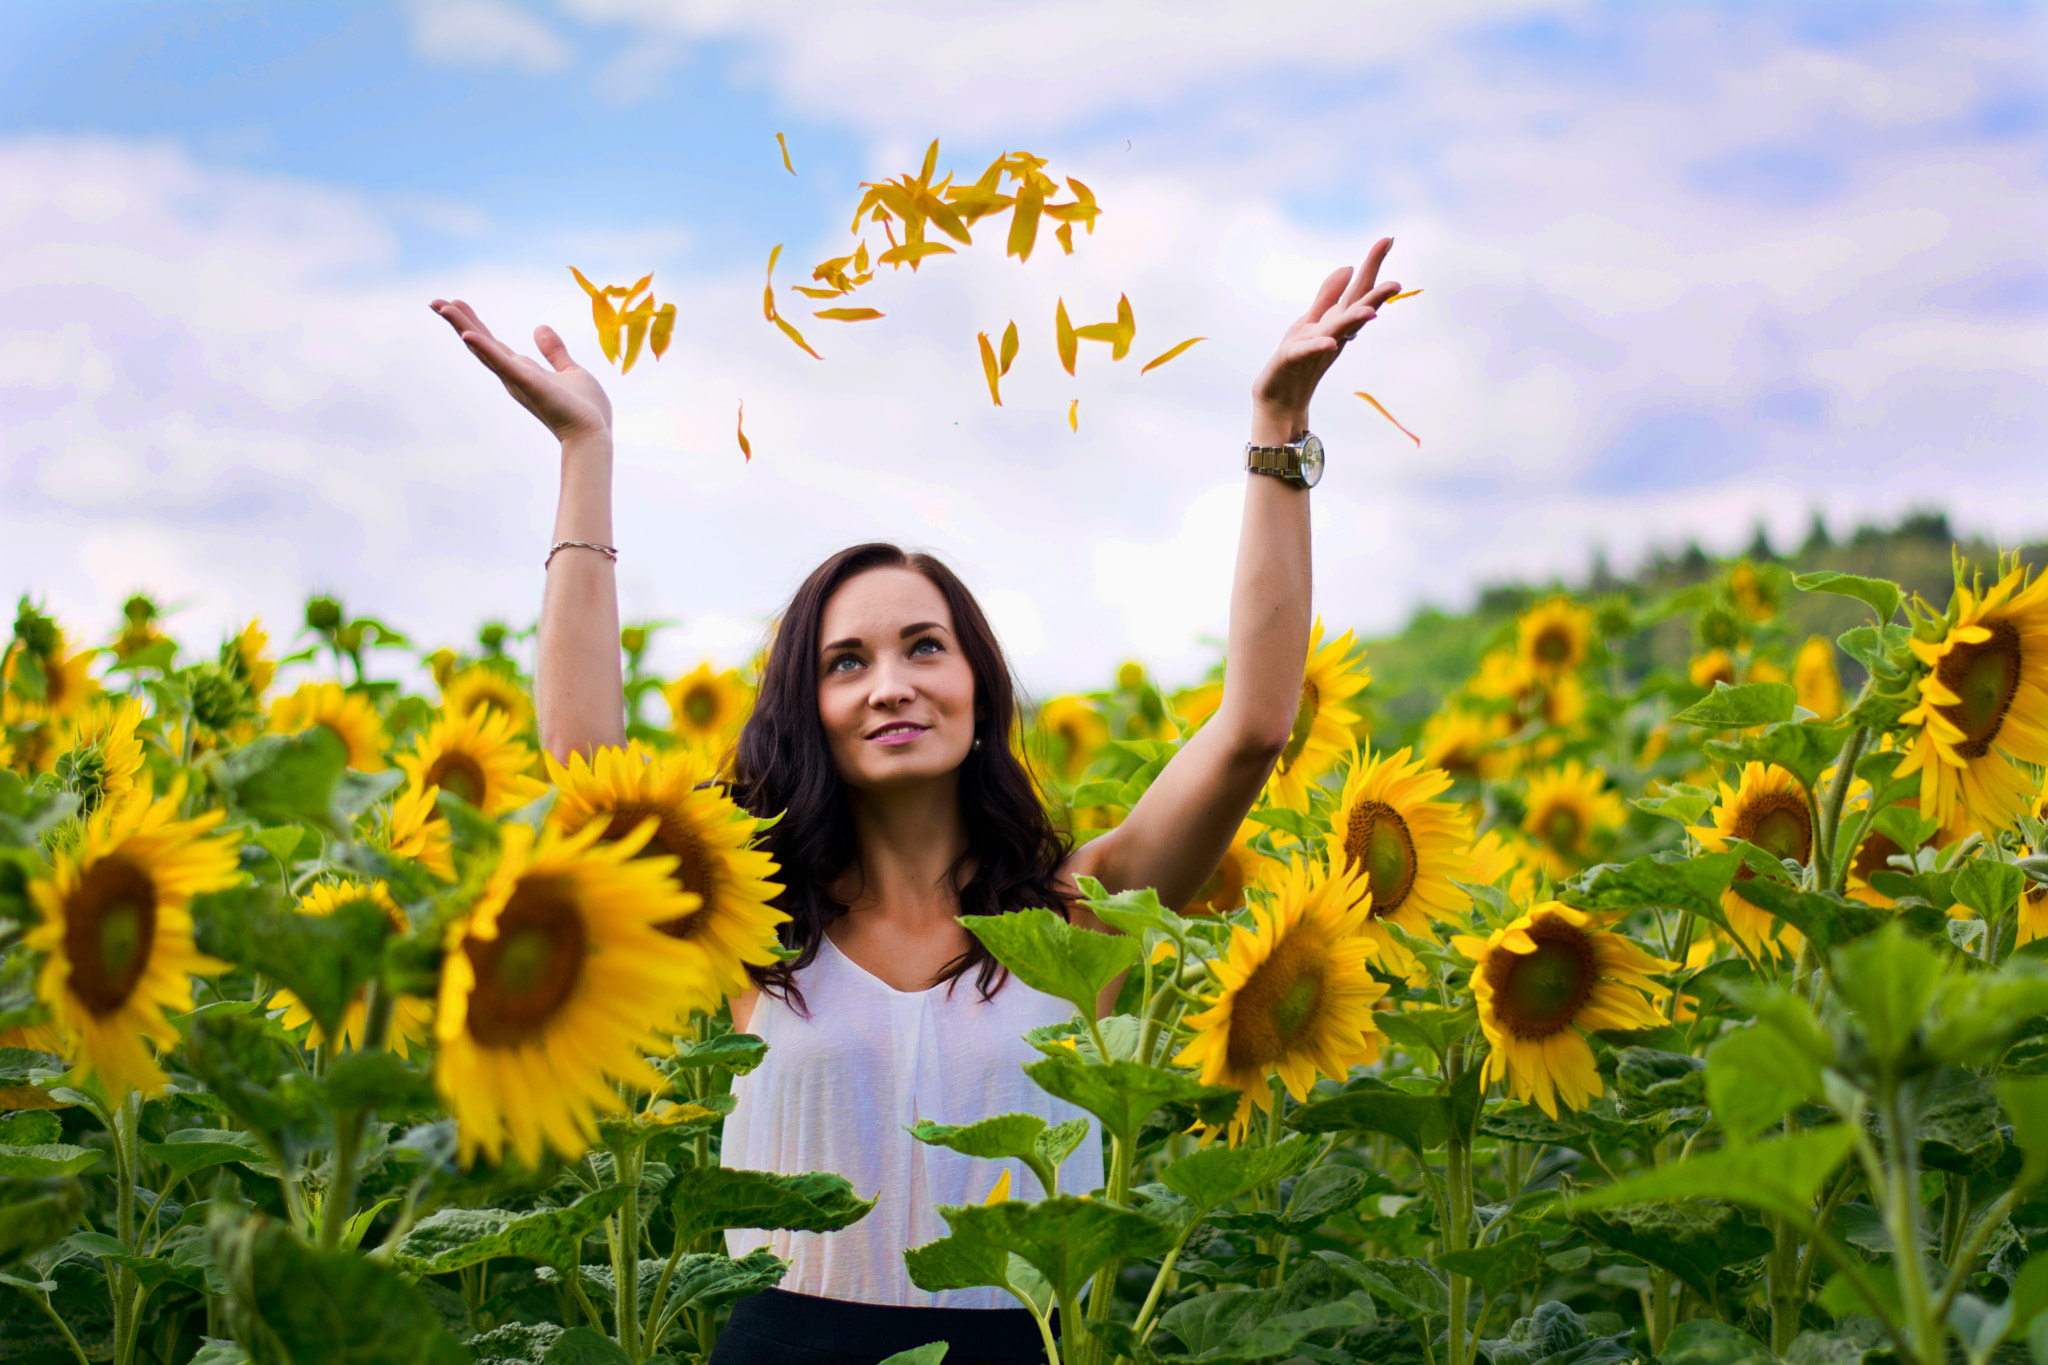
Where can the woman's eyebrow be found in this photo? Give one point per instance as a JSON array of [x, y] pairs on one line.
[[920, 628], [851, 642]]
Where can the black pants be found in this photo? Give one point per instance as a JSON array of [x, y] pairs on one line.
[[776, 1327]]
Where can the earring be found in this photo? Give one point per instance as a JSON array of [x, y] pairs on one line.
[[976, 746]]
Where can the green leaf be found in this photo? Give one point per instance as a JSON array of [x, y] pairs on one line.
[[1693, 884], [1803, 748], [245, 1064], [380, 1081], [190, 1150], [1687, 808], [737, 1053], [1707, 1341], [1741, 706], [1555, 1335], [1989, 887], [1213, 1176], [48, 1158], [1098, 793], [322, 959], [705, 1198], [1410, 1288], [2025, 1099], [1417, 1122], [1065, 1239], [276, 778], [1780, 1177], [1874, 650], [1829, 920], [1288, 822], [1880, 594], [1122, 1094], [709, 1280], [1324, 1191], [30, 1128], [581, 1346], [1665, 1080], [2029, 1296], [292, 1305], [1754, 1079], [931, 1353], [1427, 1032], [1694, 1240], [1500, 1265], [1132, 912], [1232, 1326], [215, 1351], [1958, 1125], [36, 1211], [1048, 954], [455, 1238], [1888, 979]]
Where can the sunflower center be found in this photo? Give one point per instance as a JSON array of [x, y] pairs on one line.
[[527, 973], [109, 931], [1985, 677], [1224, 891], [671, 838], [1378, 840], [1552, 645], [1562, 827], [1540, 993], [461, 774], [1777, 823], [1277, 1003], [700, 706], [1875, 855], [1304, 722]]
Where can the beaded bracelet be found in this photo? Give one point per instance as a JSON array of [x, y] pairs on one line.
[[607, 551]]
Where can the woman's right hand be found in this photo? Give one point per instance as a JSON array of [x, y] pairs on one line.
[[568, 399]]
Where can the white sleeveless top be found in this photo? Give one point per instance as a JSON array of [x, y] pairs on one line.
[[837, 1091]]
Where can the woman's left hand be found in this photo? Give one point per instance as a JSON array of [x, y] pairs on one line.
[[1346, 301]]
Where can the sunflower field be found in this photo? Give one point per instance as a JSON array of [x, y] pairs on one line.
[[1619, 1014]]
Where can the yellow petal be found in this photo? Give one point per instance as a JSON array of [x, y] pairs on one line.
[[588, 287], [1398, 297], [1074, 416], [1065, 234], [1009, 346], [848, 314], [780, 142], [1390, 417], [664, 327], [1024, 221], [798, 338], [1163, 357], [1066, 335], [746, 447], [988, 367]]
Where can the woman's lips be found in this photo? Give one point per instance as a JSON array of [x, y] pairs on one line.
[[897, 736]]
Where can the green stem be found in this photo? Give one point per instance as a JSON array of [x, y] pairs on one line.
[[1143, 1323], [43, 1302], [1902, 1219], [127, 1159], [575, 1278], [625, 1239], [659, 1301], [1831, 811], [1966, 1256]]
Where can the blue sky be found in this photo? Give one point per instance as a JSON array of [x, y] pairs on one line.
[[1686, 267]]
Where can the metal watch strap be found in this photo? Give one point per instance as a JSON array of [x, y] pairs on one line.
[[1280, 461]]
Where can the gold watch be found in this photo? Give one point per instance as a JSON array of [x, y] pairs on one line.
[[1298, 462]]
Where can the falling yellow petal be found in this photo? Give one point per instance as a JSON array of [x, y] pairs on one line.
[[768, 294], [1024, 220], [988, 367], [848, 314], [746, 447], [1390, 417], [911, 253], [782, 143], [1009, 347], [1074, 416], [1065, 330], [1398, 297], [664, 327], [1065, 234], [1165, 356]]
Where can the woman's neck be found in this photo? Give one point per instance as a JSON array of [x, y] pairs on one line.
[[910, 840]]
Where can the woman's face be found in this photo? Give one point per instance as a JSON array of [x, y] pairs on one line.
[[894, 691]]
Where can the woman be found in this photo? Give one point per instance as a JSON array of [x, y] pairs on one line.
[[881, 729]]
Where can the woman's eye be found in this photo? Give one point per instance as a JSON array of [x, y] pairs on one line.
[[842, 664], [920, 645]]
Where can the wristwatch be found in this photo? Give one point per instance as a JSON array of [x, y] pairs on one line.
[[1298, 462]]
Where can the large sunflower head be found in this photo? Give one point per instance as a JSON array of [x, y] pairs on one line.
[[707, 709], [116, 933], [1466, 744], [1568, 811], [481, 687], [1241, 868], [554, 986], [412, 1016], [477, 757], [103, 766], [1816, 678], [1074, 734], [243, 657], [66, 685], [1322, 721], [1404, 846], [1554, 638], [1294, 994], [350, 715], [1983, 702], [1541, 980], [1768, 809], [413, 828], [1716, 665], [708, 836]]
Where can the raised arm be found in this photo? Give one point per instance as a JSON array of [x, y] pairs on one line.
[[1177, 833], [579, 695]]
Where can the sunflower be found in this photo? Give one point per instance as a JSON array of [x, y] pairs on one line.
[[1240, 868], [1295, 994], [414, 829], [1716, 665], [1874, 854], [244, 656], [1404, 847], [1769, 810], [476, 757], [350, 715], [1555, 638], [480, 686], [1567, 810], [1816, 679], [708, 836], [1194, 705], [1753, 596], [117, 933], [68, 687], [105, 758], [1984, 701], [1074, 732], [553, 987], [44, 1037], [1502, 676], [707, 709], [1466, 744], [1542, 979], [1322, 722], [412, 1016]]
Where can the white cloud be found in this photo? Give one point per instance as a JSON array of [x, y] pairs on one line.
[[486, 33]]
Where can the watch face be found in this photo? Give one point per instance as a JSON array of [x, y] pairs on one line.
[[1311, 459]]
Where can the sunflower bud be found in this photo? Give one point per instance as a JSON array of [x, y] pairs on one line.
[[36, 632], [1719, 628], [633, 639], [492, 638], [323, 614], [219, 698]]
